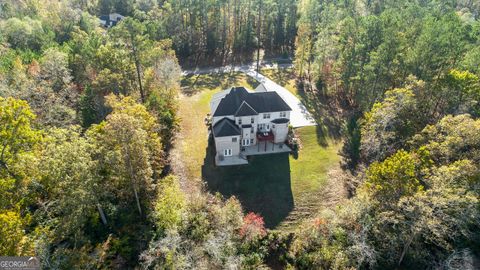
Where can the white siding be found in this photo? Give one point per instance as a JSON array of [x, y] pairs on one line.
[[280, 131], [222, 143]]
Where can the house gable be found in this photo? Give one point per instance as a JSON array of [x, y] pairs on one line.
[[245, 110], [225, 128]]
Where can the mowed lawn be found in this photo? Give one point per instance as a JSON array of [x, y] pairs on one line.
[[284, 189]]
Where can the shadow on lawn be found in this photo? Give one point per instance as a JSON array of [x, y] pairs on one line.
[[325, 113], [192, 84], [262, 186]]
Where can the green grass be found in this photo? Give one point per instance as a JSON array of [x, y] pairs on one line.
[[284, 77], [283, 189], [193, 107]]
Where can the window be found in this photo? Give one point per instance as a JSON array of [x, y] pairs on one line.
[[245, 142], [239, 121], [252, 120], [261, 126], [252, 130], [251, 141], [227, 152], [283, 114], [234, 139], [266, 116], [273, 125]]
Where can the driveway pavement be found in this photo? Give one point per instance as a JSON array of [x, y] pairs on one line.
[[299, 116]]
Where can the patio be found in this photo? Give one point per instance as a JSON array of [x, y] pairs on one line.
[[265, 147], [230, 161]]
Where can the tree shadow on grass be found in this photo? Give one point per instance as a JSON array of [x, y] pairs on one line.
[[326, 114], [192, 84], [263, 186]]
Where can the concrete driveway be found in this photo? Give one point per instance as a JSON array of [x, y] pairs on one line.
[[299, 116]]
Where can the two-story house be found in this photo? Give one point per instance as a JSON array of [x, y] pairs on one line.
[[248, 123]]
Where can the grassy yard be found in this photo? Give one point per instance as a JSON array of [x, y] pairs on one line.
[[282, 188], [284, 77], [193, 107]]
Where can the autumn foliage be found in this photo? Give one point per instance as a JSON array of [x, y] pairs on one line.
[[253, 227]]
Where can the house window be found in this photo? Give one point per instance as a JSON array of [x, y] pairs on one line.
[[239, 121], [252, 130], [251, 141], [261, 127], [266, 116], [273, 125], [227, 152], [234, 139], [283, 114], [252, 120], [245, 142]]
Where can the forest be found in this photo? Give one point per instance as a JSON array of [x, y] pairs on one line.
[[89, 118]]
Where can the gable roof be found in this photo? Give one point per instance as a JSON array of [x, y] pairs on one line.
[[225, 128], [245, 110], [261, 88], [259, 101]]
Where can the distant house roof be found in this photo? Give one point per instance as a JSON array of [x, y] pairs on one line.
[[225, 128], [257, 101], [261, 88], [246, 126], [110, 19], [245, 110], [280, 120]]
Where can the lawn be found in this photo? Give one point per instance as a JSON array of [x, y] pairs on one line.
[[193, 107], [282, 76], [284, 189]]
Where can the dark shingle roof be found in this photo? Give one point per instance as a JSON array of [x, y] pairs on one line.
[[280, 120], [259, 102], [245, 110], [225, 128]]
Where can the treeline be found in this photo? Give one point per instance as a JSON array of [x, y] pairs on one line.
[[213, 30], [203, 32], [87, 118], [358, 50], [96, 198], [406, 75]]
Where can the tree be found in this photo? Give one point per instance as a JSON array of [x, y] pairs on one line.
[[130, 148], [388, 125], [70, 183], [54, 69], [253, 227], [453, 138], [131, 33], [17, 136], [12, 234], [25, 33], [170, 205], [393, 178]]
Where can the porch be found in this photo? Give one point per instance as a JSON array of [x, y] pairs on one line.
[[230, 161], [263, 148]]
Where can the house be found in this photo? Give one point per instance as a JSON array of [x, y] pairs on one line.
[[245, 123], [110, 19]]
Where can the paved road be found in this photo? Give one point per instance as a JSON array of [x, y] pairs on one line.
[[299, 117], [231, 68]]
